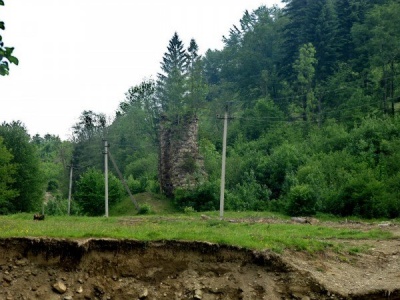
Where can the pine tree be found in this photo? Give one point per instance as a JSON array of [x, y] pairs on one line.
[[196, 83], [346, 19], [326, 41], [171, 82], [295, 31]]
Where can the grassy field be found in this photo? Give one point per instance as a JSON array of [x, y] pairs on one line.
[[276, 236]]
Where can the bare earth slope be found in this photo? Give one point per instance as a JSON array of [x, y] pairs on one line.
[[36, 268]]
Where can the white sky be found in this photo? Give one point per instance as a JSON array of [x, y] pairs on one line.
[[78, 55]]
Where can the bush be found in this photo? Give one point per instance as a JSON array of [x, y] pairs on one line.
[[188, 210], [59, 207], [201, 198], [135, 185], [362, 196], [142, 184], [301, 201], [52, 186], [90, 192], [145, 209], [248, 195]]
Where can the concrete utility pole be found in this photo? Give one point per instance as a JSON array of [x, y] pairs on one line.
[[222, 194], [70, 189], [106, 176]]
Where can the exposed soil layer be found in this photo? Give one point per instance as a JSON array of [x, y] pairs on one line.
[[43, 268]]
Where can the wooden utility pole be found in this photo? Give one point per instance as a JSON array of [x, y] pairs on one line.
[[70, 189], [222, 193], [106, 176]]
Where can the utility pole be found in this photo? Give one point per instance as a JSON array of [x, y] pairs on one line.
[[222, 193], [70, 188], [106, 176]]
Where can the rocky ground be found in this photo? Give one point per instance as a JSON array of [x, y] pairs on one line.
[[33, 268]]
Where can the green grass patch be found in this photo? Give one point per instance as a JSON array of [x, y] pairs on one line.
[[252, 235], [158, 204]]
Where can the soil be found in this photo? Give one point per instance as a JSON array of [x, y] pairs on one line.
[[45, 268]]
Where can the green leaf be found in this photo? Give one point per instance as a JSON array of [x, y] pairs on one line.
[[1, 2], [9, 51], [13, 60], [3, 69], [2, 25]]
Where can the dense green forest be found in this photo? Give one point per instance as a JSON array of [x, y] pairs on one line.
[[312, 93]]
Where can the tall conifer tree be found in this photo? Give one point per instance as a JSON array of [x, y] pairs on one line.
[[196, 83], [170, 84], [326, 41]]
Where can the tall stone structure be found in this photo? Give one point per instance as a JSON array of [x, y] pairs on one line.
[[180, 165]]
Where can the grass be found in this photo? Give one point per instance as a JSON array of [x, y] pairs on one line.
[[190, 227], [158, 204]]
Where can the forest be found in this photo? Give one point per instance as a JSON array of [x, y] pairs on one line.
[[311, 91]]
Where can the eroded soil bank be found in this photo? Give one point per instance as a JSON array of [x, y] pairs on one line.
[[36, 268]]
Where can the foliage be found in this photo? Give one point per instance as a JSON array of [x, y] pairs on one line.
[[301, 201], [55, 156], [59, 207], [28, 181], [90, 125], [248, 195], [170, 85], [201, 198], [7, 173], [6, 53], [304, 67], [145, 209], [90, 192], [313, 91], [188, 210]]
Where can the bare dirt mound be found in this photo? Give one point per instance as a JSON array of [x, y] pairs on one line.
[[34, 268]]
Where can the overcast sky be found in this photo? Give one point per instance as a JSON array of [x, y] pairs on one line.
[[78, 55]]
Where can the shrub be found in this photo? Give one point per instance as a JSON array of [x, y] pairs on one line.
[[135, 185], [362, 197], [90, 192], [59, 207], [188, 210], [143, 184], [301, 201], [248, 195], [145, 209], [52, 185], [201, 198]]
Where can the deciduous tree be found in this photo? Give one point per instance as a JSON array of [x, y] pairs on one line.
[[7, 173], [6, 53], [29, 182]]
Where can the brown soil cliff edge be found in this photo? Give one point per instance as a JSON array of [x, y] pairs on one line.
[[44, 268]]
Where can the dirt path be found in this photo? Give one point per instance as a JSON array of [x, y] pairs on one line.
[[125, 269]]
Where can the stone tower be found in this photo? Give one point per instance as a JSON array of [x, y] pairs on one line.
[[180, 165]]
